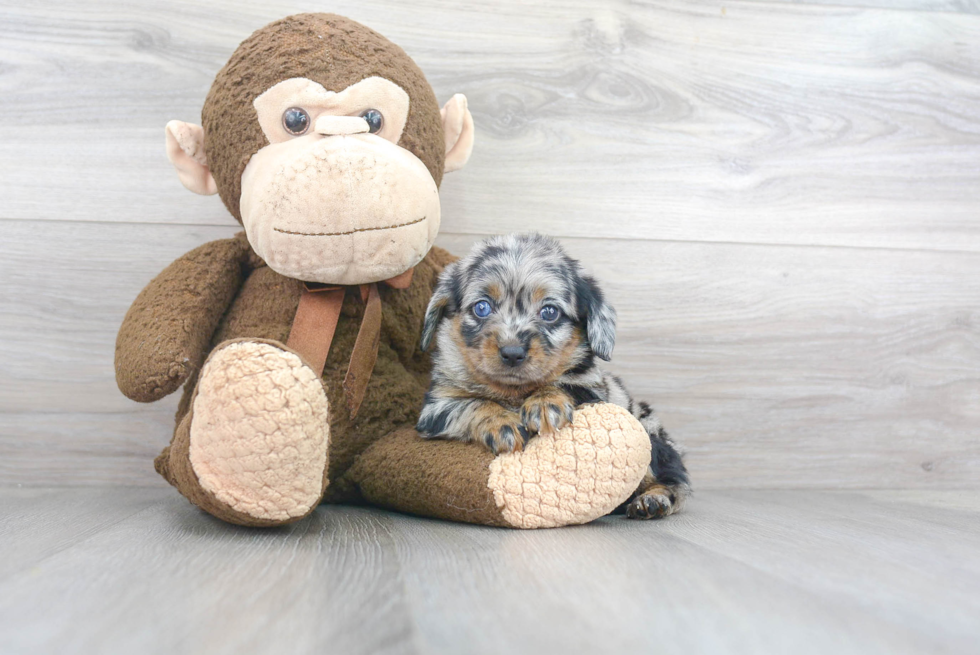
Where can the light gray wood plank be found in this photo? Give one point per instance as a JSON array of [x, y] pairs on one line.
[[732, 122], [962, 500], [36, 523], [604, 588], [951, 6], [888, 558], [775, 367], [172, 579], [85, 448], [738, 572], [665, 580]]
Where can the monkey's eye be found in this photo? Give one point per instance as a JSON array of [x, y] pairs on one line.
[[550, 313], [374, 120], [296, 121], [482, 309]]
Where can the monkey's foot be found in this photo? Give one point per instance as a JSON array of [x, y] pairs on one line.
[[576, 475], [253, 448], [583, 471]]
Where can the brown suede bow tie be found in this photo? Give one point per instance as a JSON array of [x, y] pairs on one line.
[[315, 323]]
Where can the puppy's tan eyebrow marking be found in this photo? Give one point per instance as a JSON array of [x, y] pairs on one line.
[[495, 293], [539, 294]]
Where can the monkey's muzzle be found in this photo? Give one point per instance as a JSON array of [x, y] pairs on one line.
[[346, 209]]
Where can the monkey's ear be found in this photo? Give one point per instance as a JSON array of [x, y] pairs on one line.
[[457, 124], [443, 300], [600, 317], [185, 150]]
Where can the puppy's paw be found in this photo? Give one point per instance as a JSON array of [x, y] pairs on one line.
[[547, 411], [501, 431], [654, 503]]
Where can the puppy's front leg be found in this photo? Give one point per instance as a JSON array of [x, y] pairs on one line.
[[547, 411], [483, 421], [498, 428]]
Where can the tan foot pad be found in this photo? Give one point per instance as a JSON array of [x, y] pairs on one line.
[[585, 471], [258, 439]]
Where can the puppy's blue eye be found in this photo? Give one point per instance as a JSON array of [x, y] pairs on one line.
[[550, 313], [482, 309]]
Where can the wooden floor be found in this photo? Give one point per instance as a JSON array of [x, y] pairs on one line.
[[139, 570]]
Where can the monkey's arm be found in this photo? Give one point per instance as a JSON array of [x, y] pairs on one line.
[[574, 476], [167, 330]]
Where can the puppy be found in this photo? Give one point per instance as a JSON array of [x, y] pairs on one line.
[[518, 329]]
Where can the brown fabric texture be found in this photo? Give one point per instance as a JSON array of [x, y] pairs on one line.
[[365, 351], [165, 335], [264, 309], [316, 320], [331, 50], [441, 479]]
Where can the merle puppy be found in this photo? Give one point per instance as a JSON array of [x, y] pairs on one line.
[[518, 329]]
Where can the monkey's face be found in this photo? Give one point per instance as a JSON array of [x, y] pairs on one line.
[[333, 198], [326, 141]]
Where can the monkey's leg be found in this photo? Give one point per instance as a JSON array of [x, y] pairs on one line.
[[252, 450], [574, 476]]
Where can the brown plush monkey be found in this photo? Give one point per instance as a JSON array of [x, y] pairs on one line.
[[297, 340]]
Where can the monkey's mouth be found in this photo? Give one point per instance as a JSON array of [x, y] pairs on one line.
[[349, 232]]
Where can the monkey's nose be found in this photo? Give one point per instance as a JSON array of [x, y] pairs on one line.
[[339, 125], [513, 355]]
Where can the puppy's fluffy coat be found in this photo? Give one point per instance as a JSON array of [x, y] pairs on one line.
[[518, 329]]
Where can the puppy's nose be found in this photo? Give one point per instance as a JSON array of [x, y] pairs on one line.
[[513, 355]]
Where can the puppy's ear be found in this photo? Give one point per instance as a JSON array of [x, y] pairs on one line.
[[444, 299], [599, 316]]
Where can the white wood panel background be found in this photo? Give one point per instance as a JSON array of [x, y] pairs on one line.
[[783, 200]]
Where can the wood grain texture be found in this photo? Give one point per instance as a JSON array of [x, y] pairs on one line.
[[194, 585], [700, 121], [781, 199], [775, 367], [738, 572], [951, 6]]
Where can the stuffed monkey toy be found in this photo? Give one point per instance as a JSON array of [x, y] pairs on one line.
[[297, 340]]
